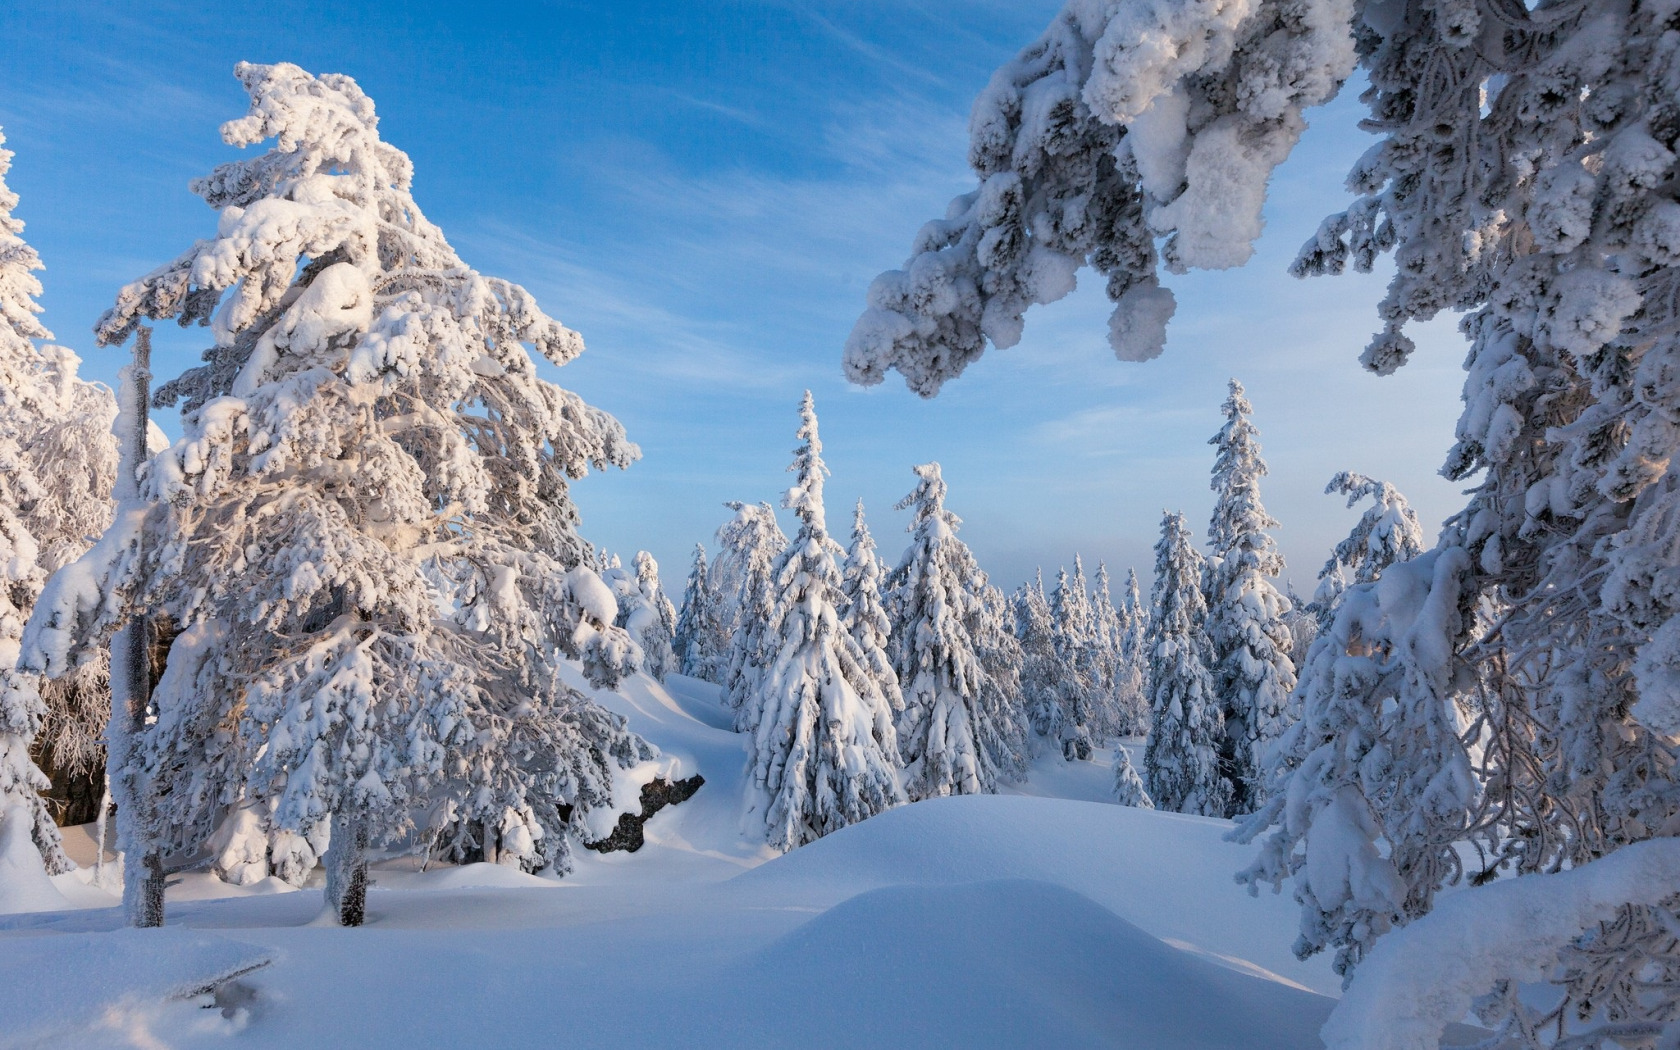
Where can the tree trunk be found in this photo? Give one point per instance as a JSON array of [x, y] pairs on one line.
[[347, 870], [491, 853]]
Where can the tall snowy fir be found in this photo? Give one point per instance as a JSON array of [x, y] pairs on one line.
[[864, 614], [1388, 532], [1253, 673], [362, 546], [823, 752], [57, 465], [1112, 716], [937, 598], [1077, 684], [1041, 666], [1182, 767], [750, 543], [1523, 177], [696, 638], [1131, 687]]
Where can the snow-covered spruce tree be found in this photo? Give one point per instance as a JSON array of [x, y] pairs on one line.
[[364, 535], [1182, 770], [1041, 667], [1128, 786], [1110, 717], [697, 624], [1077, 684], [1252, 669], [1523, 177], [824, 753], [749, 544], [57, 464], [1131, 687], [937, 598], [1007, 735], [646, 614], [1386, 533], [864, 614]]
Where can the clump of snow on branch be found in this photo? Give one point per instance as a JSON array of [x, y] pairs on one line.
[[1123, 125]]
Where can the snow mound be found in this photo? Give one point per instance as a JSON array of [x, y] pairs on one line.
[[1004, 963], [1168, 873], [24, 883], [80, 983]]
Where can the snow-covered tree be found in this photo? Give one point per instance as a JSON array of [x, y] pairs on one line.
[[950, 746], [645, 613], [1131, 687], [1111, 717], [1077, 684], [1386, 533], [864, 614], [695, 641], [1128, 786], [57, 464], [1004, 716], [1041, 667], [358, 551], [1252, 670], [1182, 770], [749, 545], [1524, 178], [824, 752]]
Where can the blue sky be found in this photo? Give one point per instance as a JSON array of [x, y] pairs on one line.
[[704, 190]]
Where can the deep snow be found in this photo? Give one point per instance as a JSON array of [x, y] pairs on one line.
[[976, 921]]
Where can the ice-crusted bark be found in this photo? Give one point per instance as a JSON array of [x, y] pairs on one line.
[[1124, 123], [364, 536], [1253, 672], [1181, 762], [824, 752], [57, 464]]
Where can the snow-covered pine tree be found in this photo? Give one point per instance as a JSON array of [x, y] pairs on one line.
[[824, 752], [1131, 689], [1386, 533], [1181, 762], [864, 614], [749, 545], [1252, 671], [1041, 667], [645, 613], [1070, 615], [937, 597], [57, 464], [363, 535], [1110, 717], [697, 624], [1524, 177], [1128, 786], [1006, 730]]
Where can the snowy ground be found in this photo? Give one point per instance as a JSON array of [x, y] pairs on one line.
[[1045, 918]]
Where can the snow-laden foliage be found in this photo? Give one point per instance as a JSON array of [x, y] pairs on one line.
[[1128, 786], [749, 544], [1131, 687], [824, 752], [1386, 533], [57, 463], [364, 537], [1181, 761], [698, 635], [1078, 679], [937, 597], [1123, 123], [1252, 669], [1118, 711], [1041, 667], [1008, 734], [646, 614], [864, 614]]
